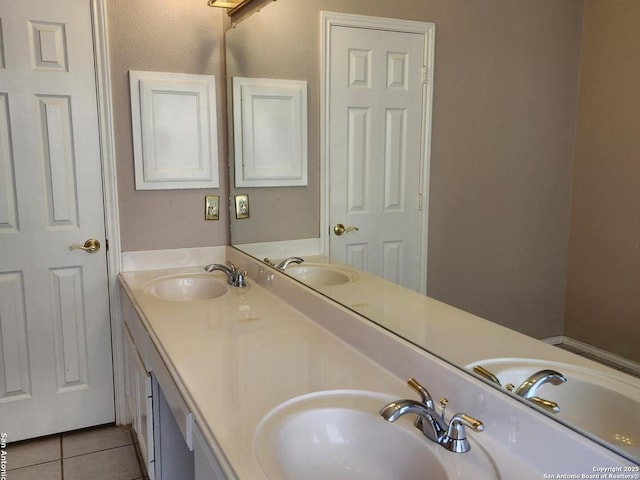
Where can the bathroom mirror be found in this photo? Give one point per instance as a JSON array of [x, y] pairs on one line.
[[520, 229]]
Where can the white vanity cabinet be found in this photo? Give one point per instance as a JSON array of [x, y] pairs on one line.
[[170, 443], [138, 386], [206, 464]]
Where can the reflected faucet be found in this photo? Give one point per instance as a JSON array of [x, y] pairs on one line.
[[433, 425], [288, 261], [529, 387], [235, 277], [284, 263]]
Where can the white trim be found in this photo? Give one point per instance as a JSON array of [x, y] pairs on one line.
[[304, 247], [172, 258], [330, 19], [270, 132], [110, 193], [557, 340], [603, 355], [177, 111]]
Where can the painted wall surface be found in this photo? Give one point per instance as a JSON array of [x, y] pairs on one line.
[[505, 97], [277, 42], [603, 305], [183, 36]]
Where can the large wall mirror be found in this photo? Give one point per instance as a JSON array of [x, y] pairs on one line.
[[533, 175]]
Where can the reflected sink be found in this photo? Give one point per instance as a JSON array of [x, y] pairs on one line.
[[602, 405], [187, 288], [340, 435], [321, 275]]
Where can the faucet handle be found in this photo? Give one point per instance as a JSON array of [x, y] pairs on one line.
[[547, 405], [455, 440], [443, 407], [240, 280], [424, 394], [469, 421]]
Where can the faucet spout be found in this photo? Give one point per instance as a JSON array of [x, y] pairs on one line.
[[434, 426], [288, 261], [530, 386], [429, 421], [235, 277]]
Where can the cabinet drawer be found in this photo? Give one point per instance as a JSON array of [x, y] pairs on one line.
[[179, 409]]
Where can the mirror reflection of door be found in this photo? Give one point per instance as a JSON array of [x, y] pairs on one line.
[[376, 118]]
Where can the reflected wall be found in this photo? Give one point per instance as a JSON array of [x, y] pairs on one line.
[[504, 112], [603, 305]]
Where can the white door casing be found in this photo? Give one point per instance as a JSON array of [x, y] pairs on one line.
[[377, 109], [54, 303]]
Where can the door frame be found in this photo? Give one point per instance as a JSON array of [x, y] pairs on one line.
[[428, 30], [110, 198]]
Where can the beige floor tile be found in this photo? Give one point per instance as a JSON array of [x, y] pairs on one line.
[[120, 463], [43, 471], [32, 452], [94, 440]]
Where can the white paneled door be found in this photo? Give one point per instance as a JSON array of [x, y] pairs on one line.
[[376, 125], [55, 340]]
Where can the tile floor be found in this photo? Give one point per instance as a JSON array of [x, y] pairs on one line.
[[98, 453]]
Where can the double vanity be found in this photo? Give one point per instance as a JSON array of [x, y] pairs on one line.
[[274, 381]]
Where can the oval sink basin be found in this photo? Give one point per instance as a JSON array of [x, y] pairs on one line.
[[602, 405], [187, 288], [321, 275], [341, 435]]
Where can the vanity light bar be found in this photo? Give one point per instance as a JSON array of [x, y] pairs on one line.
[[233, 5]]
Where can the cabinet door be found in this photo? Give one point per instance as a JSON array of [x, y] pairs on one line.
[[129, 378], [144, 422], [205, 462], [174, 459], [139, 400]]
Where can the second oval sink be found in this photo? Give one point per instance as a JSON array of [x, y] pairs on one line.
[[321, 275], [597, 403], [340, 434], [187, 288]]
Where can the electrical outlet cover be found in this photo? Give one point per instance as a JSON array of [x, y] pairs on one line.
[[242, 206], [211, 207]]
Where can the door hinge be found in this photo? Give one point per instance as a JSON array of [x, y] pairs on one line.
[[419, 202], [425, 74]]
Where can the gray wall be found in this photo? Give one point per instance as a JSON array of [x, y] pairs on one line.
[[182, 36], [603, 301], [505, 96], [503, 144]]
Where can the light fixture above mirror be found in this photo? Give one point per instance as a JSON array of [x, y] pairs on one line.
[[234, 6]]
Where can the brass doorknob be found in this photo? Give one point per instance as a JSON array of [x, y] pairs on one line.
[[90, 246], [339, 229]]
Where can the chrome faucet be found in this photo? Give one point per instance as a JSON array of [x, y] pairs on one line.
[[529, 387], [235, 277], [288, 261], [433, 425], [284, 263]]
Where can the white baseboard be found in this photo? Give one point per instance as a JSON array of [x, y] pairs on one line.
[[607, 357]]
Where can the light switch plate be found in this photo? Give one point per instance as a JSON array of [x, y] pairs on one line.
[[211, 207], [242, 206]]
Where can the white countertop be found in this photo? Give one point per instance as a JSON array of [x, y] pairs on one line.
[[237, 357]]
